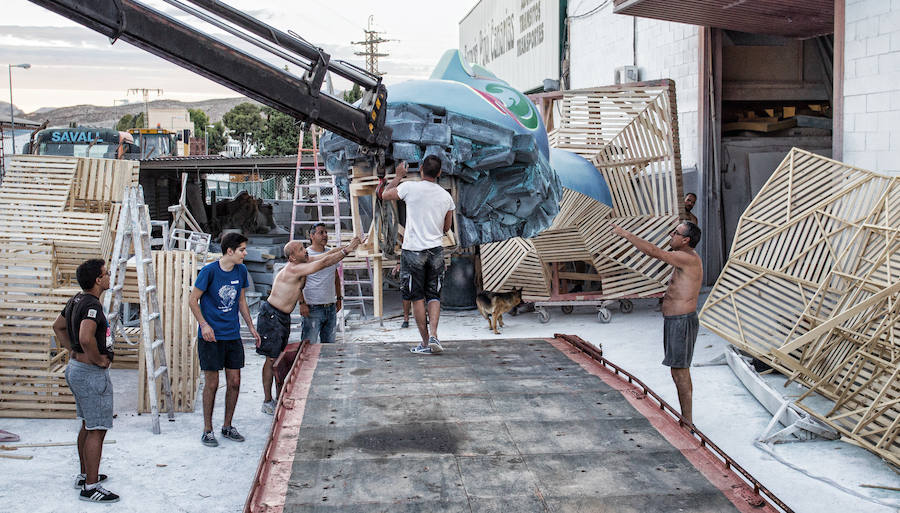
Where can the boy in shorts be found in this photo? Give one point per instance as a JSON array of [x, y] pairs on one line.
[[217, 297]]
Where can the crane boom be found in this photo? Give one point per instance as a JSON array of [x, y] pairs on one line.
[[190, 48]]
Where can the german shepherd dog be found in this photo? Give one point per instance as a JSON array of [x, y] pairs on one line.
[[493, 305]]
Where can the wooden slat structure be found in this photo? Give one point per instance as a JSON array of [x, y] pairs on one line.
[[175, 275], [54, 214], [99, 183], [630, 134], [32, 381], [514, 263], [812, 287]]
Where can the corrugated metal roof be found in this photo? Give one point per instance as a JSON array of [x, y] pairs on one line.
[[789, 18]]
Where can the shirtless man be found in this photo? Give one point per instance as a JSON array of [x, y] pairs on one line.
[[679, 306], [274, 320], [690, 199]]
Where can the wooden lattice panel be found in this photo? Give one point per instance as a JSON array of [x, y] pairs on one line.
[[812, 287], [630, 134], [511, 264], [175, 275]]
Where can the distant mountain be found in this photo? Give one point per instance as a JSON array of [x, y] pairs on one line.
[[108, 116], [4, 109]]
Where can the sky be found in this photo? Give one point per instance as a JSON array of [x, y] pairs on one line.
[[72, 65]]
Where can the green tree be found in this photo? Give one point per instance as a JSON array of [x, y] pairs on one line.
[[355, 93], [126, 122], [280, 134], [245, 124], [200, 120], [217, 139], [138, 121]]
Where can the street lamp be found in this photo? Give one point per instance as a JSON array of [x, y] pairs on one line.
[[206, 137], [12, 121], [116, 104]]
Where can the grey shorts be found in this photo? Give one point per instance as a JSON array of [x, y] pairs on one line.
[[679, 337], [93, 393]]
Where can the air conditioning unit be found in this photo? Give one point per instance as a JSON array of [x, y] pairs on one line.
[[626, 74]]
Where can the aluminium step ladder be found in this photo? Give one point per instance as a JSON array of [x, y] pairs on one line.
[[134, 232]]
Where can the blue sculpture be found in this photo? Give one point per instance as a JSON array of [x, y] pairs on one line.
[[488, 135]]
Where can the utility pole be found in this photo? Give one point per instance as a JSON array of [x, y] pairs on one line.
[[370, 47], [146, 93]]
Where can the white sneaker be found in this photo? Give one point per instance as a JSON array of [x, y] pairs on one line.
[[268, 407], [435, 345]]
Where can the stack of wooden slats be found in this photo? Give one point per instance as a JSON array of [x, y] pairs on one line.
[[630, 134], [812, 287], [175, 275], [31, 369], [45, 232]]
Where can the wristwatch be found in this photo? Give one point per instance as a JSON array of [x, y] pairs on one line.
[[344, 251], [340, 298]]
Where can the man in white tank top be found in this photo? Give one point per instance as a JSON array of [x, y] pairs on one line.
[[429, 214]]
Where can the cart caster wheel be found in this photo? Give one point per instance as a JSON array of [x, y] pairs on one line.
[[626, 306], [604, 315], [567, 309], [544, 315]]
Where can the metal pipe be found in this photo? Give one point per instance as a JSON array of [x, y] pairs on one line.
[[237, 33], [287, 41]]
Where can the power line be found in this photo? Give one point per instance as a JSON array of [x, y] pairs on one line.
[[370, 47]]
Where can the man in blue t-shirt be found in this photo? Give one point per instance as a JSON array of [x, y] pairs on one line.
[[216, 299]]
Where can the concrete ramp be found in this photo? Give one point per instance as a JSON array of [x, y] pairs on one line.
[[487, 426]]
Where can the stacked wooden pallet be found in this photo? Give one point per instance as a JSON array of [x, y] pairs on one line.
[[630, 134], [175, 275], [32, 383], [46, 230], [812, 287]]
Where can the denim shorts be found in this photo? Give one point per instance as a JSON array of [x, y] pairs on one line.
[[421, 274], [679, 337], [320, 324], [93, 393]]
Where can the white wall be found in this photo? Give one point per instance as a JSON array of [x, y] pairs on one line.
[[602, 41], [872, 85]]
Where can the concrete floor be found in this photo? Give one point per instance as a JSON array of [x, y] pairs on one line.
[[505, 425], [173, 472]]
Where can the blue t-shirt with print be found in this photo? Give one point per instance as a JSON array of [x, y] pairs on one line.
[[221, 298]]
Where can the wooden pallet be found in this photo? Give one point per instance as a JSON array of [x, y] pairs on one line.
[[45, 233], [812, 287], [98, 183], [175, 275], [37, 183], [31, 367]]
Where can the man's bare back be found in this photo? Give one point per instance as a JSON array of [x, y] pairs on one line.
[[289, 282]]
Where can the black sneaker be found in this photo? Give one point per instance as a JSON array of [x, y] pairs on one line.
[[405, 324], [232, 434], [80, 479], [98, 494], [209, 439]]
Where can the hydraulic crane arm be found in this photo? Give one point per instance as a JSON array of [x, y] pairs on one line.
[[300, 97]]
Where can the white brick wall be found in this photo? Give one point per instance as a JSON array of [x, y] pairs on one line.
[[872, 85], [601, 42]]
